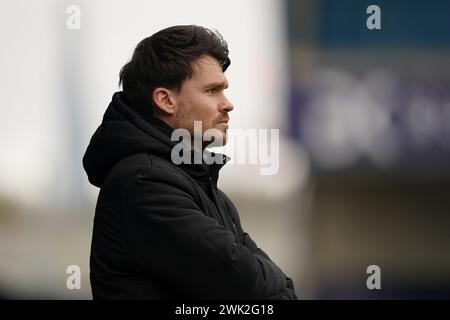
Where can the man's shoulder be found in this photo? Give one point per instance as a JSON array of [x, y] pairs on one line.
[[147, 163], [141, 168], [141, 164]]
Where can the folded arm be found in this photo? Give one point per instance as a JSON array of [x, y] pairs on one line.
[[169, 237]]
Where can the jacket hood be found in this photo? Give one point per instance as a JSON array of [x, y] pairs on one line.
[[123, 133]]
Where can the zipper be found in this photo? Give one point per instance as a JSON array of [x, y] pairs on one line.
[[224, 211]]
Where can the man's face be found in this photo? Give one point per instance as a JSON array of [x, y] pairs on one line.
[[202, 98]]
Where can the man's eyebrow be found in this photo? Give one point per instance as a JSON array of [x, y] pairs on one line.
[[220, 84]]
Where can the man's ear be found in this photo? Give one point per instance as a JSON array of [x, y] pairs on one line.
[[163, 98]]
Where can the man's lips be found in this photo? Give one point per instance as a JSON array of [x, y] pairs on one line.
[[224, 120]]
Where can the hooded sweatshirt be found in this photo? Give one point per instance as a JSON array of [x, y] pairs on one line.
[[164, 230]]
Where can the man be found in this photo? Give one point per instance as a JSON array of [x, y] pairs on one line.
[[164, 230]]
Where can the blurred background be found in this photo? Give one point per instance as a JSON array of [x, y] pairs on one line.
[[364, 119]]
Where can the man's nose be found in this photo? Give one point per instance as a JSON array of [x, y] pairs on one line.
[[226, 105]]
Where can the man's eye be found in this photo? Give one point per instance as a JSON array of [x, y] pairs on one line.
[[211, 90]]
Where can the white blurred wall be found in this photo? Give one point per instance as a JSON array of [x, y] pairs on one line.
[[56, 83]]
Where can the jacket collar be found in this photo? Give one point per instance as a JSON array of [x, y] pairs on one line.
[[202, 165]]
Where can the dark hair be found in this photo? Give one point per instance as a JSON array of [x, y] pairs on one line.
[[166, 59]]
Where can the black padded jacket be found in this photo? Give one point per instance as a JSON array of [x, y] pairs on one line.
[[165, 231]]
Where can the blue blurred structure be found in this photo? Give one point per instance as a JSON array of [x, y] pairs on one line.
[[372, 109]]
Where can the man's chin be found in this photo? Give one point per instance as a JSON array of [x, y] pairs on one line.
[[216, 142], [216, 137]]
